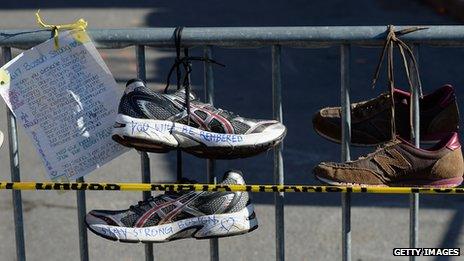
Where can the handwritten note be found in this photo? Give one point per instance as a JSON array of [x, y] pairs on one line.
[[66, 100]]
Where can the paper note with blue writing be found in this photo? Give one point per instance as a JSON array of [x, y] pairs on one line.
[[66, 99]]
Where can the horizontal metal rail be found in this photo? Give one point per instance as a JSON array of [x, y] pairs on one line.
[[221, 187], [301, 36], [240, 37]]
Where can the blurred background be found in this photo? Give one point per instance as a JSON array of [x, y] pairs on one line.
[[311, 80]]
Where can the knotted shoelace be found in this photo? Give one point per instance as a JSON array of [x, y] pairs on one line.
[[137, 207], [184, 63], [410, 66]]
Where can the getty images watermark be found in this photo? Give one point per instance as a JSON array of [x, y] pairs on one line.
[[426, 251]]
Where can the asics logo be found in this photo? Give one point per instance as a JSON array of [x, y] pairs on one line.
[[176, 204], [210, 115], [157, 209], [226, 125]]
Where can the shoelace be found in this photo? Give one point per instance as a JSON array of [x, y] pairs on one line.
[[220, 111], [185, 63], [379, 149], [406, 52], [136, 207]]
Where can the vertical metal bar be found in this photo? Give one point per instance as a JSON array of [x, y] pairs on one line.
[[278, 160], [144, 159], [209, 77], [180, 170], [209, 97], [81, 211], [15, 173], [346, 137], [414, 198], [179, 165]]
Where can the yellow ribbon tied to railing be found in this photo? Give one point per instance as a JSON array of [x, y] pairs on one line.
[[80, 24]]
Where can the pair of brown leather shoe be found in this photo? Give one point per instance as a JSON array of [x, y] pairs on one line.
[[396, 162]]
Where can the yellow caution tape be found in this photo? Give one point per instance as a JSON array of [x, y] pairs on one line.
[[219, 187], [4, 77], [80, 24], [81, 36]]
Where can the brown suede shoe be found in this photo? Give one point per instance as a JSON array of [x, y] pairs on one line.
[[399, 163], [371, 120]]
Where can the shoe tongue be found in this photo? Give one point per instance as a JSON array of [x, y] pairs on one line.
[[404, 101], [181, 94], [133, 84], [401, 96], [233, 177], [398, 139]]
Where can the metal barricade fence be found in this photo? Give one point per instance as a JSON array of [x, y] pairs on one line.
[[237, 37]]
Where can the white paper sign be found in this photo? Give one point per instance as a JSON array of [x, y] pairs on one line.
[[66, 100]]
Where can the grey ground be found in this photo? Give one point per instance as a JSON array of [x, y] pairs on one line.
[[310, 81]]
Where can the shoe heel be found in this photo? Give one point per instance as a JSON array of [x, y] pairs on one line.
[[442, 183], [445, 183]]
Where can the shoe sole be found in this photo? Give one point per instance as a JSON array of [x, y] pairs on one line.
[[203, 227], [442, 183], [163, 136]]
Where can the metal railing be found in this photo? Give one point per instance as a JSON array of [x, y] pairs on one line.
[[238, 37]]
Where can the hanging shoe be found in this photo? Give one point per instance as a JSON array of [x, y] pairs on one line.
[[176, 215], [399, 163], [155, 122], [371, 120]]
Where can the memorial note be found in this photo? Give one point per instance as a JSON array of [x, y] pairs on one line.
[[65, 97]]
